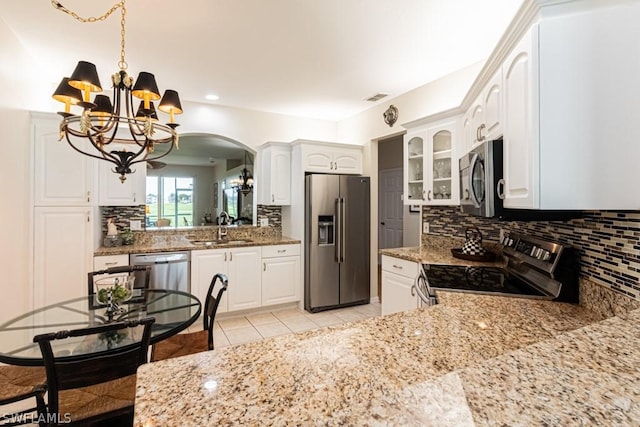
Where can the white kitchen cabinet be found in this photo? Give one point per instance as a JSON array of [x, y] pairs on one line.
[[113, 192], [570, 103], [520, 147], [331, 158], [398, 277], [483, 119], [242, 267], [431, 164], [63, 253], [275, 183], [204, 265], [62, 176], [280, 274], [103, 262]]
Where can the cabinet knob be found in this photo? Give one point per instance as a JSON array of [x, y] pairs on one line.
[[273, 198], [264, 266], [413, 290], [88, 196], [134, 197], [466, 194], [429, 195]]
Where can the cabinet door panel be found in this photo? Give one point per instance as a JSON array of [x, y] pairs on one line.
[[519, 152], [63, 177], [280, 280], [348, 161], [492, 101], [113, 192], [280, 178], [204, 265], [244, 278], [318, 160], [396, 293], [62, 253]]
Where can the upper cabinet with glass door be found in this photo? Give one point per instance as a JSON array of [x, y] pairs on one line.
[[414, 168], [431, 164]]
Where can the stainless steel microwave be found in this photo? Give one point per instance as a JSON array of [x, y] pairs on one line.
[[480, 172]]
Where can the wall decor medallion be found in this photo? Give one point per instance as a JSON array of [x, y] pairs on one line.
[[391, 115]]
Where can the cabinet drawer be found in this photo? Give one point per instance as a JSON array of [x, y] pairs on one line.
[[280, 250], [400, 266], [108, 261]]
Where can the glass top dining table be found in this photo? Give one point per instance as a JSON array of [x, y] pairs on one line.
[[174, 311]]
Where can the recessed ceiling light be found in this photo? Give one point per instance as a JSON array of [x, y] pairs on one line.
[[212, 97]]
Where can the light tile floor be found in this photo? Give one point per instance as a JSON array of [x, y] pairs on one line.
[[255, 327]]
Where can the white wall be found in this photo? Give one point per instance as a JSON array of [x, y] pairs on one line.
[[424, 101], [15, 175]]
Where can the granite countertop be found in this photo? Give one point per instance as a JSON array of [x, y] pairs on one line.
[[480, 359], [437, 250], [170, 243]]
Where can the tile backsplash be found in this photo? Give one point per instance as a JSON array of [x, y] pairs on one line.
[[608, 241], [123, 214]]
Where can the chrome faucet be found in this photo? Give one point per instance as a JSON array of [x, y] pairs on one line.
[[222, 232], [223, 218]]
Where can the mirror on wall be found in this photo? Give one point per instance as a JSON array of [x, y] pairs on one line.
[[193, 185]]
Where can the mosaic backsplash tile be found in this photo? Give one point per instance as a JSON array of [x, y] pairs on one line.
[[273, 213], [121, 216], [608, 241]]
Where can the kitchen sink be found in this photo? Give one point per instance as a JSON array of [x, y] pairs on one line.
[[218, 242], [204, 242]]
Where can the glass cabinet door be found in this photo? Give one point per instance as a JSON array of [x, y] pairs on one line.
[[415, 169], [441, 179]]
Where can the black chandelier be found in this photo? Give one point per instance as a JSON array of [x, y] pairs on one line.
[[244, 183], [123, 140]]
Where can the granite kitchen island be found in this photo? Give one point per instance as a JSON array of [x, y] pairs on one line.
[[473, 359]]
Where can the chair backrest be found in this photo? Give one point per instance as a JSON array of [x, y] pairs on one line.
[[82, 370], [164, 222], [211, 305], [141, 272]]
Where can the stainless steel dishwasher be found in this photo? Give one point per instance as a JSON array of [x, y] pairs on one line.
[[169, 270]]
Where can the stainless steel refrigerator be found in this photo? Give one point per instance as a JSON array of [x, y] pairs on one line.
[[337, 241]]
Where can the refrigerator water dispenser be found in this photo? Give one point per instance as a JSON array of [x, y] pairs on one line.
[[325, 229]]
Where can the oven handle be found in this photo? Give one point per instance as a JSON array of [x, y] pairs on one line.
[[421, 287]]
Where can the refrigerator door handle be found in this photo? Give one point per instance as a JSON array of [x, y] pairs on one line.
[[343, 227], [337, 230]]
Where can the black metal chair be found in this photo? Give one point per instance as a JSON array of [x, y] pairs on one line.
[[195, 342], [17, 384], [97, 385], [142, 274]]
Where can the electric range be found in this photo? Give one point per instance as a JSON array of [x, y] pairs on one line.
[[534, 268]]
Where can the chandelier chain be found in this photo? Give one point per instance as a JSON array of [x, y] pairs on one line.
[[120, 5]]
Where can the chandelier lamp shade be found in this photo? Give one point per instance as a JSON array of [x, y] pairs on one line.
[[110, 128]]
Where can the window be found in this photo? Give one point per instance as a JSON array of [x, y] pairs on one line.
[[169, 198]]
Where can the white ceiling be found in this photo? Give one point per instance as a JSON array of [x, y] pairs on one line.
[[311, 58]]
